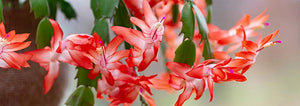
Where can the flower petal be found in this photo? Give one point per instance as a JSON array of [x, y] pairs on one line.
[[133, 37], [236, 62], [57, 34], [221, 55], [246, 54], [236, 76], [185, 95], [66, 58], [16, 46], [210, 84], [3, 64], [52, 74], [22, 58], [268, 38], [178, 68], [10, 60], [19, 37], [245, 21], [148, 57], [219, 72], [2, 30], [250, 46], [81, 59], [196, 72], [94, 72], [229, 40], [40, 55], [233, 47], [140, 23], [148, 99], [10, 35], [119, 55], [149, 15], [199, 86], [113, 45]]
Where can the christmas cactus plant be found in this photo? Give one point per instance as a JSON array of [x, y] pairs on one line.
[[196, 52]]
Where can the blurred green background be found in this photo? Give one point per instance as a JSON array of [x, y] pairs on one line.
[[272, 81]]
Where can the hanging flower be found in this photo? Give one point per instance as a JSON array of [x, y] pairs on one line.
[[126, 88], [146, 44], [106, 58], [48, 57]]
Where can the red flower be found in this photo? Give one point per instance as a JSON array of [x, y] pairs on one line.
[[9, 43], [253, 49], [205, 73], [126, 88], [68, 52], [106, 58], [75, 49], [220, 38], [146, 44], [190, 84], [48, 57]]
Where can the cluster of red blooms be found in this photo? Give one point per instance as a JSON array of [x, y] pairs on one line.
[[119, 79]]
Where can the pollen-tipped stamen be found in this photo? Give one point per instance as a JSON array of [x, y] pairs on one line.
[[231, 71], [267, 24], [101, 51], [156, 26], [269, 44]]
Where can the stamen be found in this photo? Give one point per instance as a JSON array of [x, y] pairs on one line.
[[279, 41], [141, 90], [162, 19], [269, 44], [267, 24], [156, 26], [231, 71]]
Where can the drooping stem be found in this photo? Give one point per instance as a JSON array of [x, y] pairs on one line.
[[163, 49], [209, 14], [143, 102], [209, 10]]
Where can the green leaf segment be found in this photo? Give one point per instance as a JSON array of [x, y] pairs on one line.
[[122, 18], [67, 9], [101, 27], [40, 8], [203, 30], [44, 33], [1, 11], [209, 10], [186, 52], [188, 21], [82, 96], [103, 8], [175, 12], [82, 78]]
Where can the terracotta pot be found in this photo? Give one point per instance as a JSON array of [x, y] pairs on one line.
[[25, 87]]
